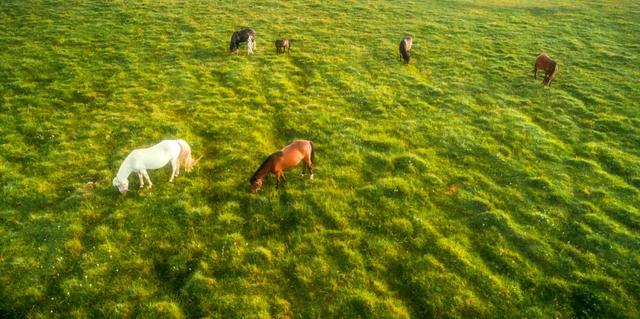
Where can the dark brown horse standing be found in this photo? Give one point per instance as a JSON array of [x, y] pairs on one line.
[[549, 66], [405, 47], [282, 45], [276, 163], [245, 35]]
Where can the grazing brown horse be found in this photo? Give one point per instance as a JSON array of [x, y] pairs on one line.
[[245, 35], [405, 47], [549, 66], [282, 44], [277, 162]]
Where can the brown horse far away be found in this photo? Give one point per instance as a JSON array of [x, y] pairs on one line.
[[282, 44], [405, 47], [549, 66], [276, 163]]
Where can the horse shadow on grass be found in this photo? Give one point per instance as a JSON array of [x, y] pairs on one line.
[[207, 54]]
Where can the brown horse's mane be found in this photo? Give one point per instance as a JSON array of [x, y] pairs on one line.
[[265, 163]]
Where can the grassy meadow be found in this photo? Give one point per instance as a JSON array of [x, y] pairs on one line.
[[455, 186]]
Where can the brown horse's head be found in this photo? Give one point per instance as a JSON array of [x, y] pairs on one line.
[[256, 185], [262, 171]]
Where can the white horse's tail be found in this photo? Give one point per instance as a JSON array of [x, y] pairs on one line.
[[185, 156]]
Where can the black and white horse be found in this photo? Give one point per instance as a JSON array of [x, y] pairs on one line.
[[405, 47], [245, 35]]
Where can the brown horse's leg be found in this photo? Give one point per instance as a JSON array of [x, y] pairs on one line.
[[279, 176], [309, 165], [280, 179], [535, 72]]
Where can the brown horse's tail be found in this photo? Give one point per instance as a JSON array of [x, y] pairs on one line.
[[185, 156], [403, 51], [313, 154]]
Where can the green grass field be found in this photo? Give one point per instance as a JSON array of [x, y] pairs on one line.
[[456, 186]]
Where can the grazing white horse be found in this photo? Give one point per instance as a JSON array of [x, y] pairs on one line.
[[154, 157]]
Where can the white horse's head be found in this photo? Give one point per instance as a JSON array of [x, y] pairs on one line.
[[123, 186]]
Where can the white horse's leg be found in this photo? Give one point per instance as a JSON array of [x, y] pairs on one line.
[[141, 179], [175, 164], [250, 45], [144, 172]]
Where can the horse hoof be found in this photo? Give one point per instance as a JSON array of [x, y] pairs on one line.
[[311, 177]]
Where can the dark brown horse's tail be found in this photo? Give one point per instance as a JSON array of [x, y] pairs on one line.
[[403, 51], [313, 154]]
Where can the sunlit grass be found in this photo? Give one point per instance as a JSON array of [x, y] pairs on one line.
[[455, 186]]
